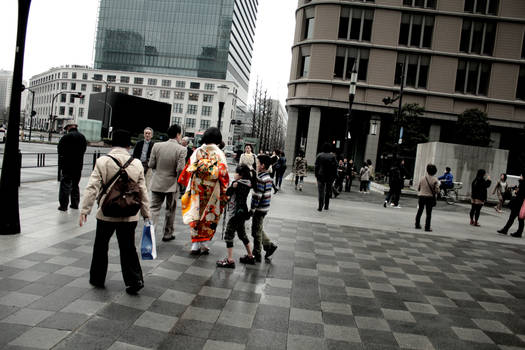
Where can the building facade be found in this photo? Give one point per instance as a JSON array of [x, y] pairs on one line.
[[457, 54], [194, 38], [194, 100], [5, 92]]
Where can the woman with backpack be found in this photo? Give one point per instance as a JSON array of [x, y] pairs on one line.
[[206, 180], [111, 214]]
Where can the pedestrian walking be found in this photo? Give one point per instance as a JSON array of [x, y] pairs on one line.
[[500, 190], [167, 160], [516, 205], [185, 143], [142, 151], [372, 172], [206, 180], [106, 168], [71, 149], [300, 168], [237, 212], [364, 177], [248, 158], [478, 195], [274, 159], [350, 171], [395, 184], [427, 190], [325, 173], [340, 177], [280, 169], [261, 198]]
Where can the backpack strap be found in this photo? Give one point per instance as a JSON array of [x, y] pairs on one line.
[[115, 177]]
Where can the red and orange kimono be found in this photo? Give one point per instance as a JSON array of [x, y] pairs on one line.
[[206, 180]]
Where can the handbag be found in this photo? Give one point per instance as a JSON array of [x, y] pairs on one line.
[[521, 215], [148, 246], [434, 201]]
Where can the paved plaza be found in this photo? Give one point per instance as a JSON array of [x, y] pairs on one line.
[[356, 277]]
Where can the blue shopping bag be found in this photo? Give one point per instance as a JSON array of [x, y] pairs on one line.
[[148, 248]]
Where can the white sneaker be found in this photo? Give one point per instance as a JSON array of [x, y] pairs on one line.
[[391, 204], [397, 207], [195, 246]]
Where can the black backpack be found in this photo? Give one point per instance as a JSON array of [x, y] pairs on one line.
[[124, 198]]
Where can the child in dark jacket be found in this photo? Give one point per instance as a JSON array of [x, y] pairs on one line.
[[238, 213]]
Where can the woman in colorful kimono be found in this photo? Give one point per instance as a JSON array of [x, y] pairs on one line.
[[206, 180]]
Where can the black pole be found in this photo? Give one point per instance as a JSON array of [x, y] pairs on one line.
[[31, 118], [398, 126], [351, 98], [104, 115], [9, 211], [221, 107], [51, 119]]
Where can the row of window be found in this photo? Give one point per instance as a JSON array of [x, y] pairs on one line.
[[70, 111], [190, 122], [192, 109]]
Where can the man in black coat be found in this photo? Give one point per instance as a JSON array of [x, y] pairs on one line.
[[142, 151], [515, 207], [325, 172], [71, 149]]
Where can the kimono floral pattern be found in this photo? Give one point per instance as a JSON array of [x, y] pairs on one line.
[[206, 180]]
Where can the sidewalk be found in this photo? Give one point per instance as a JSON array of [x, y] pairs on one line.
[[355, 277]]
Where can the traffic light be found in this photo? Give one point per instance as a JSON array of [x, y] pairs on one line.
[[78, 95], [33, 113]]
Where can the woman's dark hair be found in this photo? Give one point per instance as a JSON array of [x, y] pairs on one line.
[[369, 162], [504, 176], [480, 173], [447, 169], [300, 154], [212, 136], [244, 171], [248, 145], [431, 169], [265, 160], [174, 130], [327, 148], [121, 138]]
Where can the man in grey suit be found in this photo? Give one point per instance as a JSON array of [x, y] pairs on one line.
[[167, 160]]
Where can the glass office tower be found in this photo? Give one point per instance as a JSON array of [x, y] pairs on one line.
[[202, 38]]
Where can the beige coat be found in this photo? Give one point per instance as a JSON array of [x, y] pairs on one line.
[[424, 190], [105, 169], [167, 160]]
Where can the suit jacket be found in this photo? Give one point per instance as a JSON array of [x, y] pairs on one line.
[[325, 167], [137, 151], [168, 160]]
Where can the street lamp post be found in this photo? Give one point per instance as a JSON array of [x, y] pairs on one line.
[[9, 181], [223, 91], [351, 97]]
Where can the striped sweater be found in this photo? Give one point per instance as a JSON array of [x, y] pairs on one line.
[[263, 193]]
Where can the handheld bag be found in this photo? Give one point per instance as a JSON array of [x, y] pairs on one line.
[[434, 200], [521, 215], [148, 246], [123, 199]]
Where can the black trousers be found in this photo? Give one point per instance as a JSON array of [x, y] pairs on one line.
[[69, 188], [424, 202], [348, 183], [513, 215], [475, 211], [129, 260], [393, 195], [324, 189]]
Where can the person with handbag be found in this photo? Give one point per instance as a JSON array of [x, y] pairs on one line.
[[100, 185], [517, 206], [501, 189], [478, 195], [427, 189]]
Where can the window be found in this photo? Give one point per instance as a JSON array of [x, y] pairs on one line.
[[355, 24], [304, 62], [73, 86], [71, 98], [63, 97], [97, 77], [431, 4], [97, 88], [63, 86], [192, 109], [123, 90], [84, 76], [81, 100], [416, 30], [180, 84], [74, 75], [194, 85], [345, 59], [110, 88], [193, 96], [80, 112], [62, 110], [166, 83], [205, 124], [478, 37], [138, 81], [178, 95], [124, 79], [207, 98], [473, 77], [137, 91], [417, 67], [206, 111], [209, 86], [177, 108], [520, 89], [152, 81], [487, 7], [308, 27], [83, 87], [64, 75], [176, 120], [111, 78], [164, 93], [71, 110], [189, 122]]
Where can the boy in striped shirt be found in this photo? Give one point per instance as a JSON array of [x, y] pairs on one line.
[[260, 205]]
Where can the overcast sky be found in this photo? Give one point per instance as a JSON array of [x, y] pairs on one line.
[[62, 32]]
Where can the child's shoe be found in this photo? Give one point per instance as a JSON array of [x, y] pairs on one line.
[[226, 263], [271, 249], [249, 260]]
